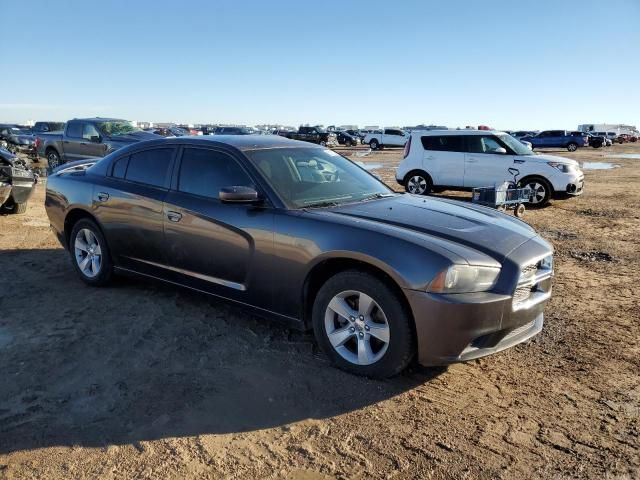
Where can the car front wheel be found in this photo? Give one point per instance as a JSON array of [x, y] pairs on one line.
[[572, 147], [90, 254], [362, 325], [540, 191]]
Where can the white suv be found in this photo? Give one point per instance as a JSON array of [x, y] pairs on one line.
[[463, 159]]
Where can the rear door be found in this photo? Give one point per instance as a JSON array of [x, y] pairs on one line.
[[129, 205], [483, 167], [72, 141], [444, 159], [221, 248]]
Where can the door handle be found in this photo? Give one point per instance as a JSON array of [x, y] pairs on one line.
[[103, 196], [472, 160], [174, 216], [518, 161]]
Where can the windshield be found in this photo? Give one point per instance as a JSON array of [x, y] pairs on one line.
[[308, 177], [515, 145], [115, 128]]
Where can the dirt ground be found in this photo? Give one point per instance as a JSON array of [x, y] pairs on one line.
[[144, 380]]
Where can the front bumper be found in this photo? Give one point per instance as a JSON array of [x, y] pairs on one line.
[[461, 327], [22, 189], [5, 192]]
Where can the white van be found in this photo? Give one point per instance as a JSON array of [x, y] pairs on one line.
[[463, 159]]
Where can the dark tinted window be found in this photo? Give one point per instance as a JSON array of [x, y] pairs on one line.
[[74, 129], [205, 172], [556, 133], [445, 143], [120, 167], [150, 166]]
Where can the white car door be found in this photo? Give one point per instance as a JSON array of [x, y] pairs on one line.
[[443, 159], [486, 162]]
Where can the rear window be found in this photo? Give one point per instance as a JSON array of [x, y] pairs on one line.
[[74, 130], [444, 143], [150, 167]]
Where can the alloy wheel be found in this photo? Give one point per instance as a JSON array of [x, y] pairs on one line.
[[88, 253], [357, 328], [417, 185], [538, 192]]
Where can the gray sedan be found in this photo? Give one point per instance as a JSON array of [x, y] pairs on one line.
[[298, 233]]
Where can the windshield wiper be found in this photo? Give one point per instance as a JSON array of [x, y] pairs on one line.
[[375, 196], [325, 203]]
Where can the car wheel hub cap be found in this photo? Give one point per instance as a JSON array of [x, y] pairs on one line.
[[357, 328], [88, 253], [538, 192], [417, 185]]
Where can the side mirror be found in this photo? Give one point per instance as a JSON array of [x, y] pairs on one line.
[[499, 150], [238, 195], [95, 139]]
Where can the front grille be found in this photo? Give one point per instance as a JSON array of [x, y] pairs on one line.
[[529, 284], [521, 294]]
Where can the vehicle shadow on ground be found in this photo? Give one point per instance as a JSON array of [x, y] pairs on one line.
[[140, 361]]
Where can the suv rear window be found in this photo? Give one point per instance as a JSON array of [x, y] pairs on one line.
[[444, 143]]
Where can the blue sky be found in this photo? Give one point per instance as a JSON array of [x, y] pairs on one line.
[[508, 64]]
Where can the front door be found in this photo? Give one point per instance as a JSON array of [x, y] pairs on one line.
[[221, 248], [483, 167]]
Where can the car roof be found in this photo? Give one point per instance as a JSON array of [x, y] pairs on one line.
[[240, 142], [468, 131], [98, 119]]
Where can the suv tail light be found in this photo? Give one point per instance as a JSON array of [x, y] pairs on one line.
[[36, 143], [407, 148]]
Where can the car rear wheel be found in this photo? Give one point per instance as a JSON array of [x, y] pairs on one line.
[[90, 254], [418, 183], [540, 191], [572, 147], [362, 326]]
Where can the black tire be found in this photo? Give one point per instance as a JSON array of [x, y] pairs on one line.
[[535, 201], [105, 273], [572, 146], [13, 208], [53, 159], [374, 144], [519, 210], [418, 178], [401, 346]]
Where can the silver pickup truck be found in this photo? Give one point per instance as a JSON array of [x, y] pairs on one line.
[[88, 138]]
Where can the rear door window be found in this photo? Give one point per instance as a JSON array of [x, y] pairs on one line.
[[150, 167], [120, 167], [74, 130], [444, 143]]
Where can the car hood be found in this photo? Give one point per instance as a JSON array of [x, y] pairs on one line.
[[543, 158], [135, 137], [480, 228]]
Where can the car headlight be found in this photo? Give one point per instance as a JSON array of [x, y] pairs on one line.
[[563, 167], [464, 279]]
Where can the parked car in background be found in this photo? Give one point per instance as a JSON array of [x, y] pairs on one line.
[[389, 137], [465, 159], [16, 183], [358, 134], [520, 134], [317, 135], [347, 139], [44, 127], [558, 139], [17, 138], [88, 138], [234, 131], [168, 131], [597, 141], [608, 141], [299, 233]]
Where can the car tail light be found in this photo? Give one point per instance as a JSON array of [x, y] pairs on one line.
[[407, 148], [36, 143]]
